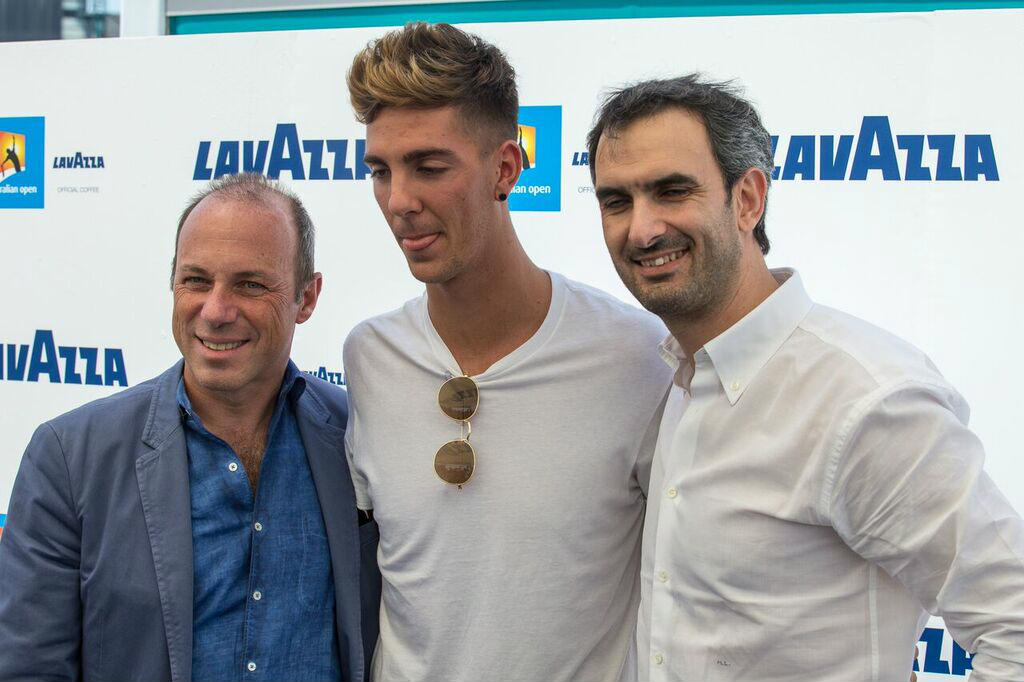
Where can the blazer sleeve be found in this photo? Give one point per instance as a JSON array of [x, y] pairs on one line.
[[40, 556]]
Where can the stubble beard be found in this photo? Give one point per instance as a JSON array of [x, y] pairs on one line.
[[706, 287]]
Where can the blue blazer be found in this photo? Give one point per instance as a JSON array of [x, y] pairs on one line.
[[96, 557]]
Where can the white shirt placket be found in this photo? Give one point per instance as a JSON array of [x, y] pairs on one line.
[[665, 658]]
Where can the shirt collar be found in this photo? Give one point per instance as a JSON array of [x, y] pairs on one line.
[[292, 386], [739, 353]]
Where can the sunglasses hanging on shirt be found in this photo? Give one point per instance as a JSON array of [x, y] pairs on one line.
[[455, 461]]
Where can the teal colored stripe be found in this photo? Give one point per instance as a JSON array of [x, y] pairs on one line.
[[542, 10], [3, 520]]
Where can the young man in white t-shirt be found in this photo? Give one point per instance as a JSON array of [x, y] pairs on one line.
[[511, 502]]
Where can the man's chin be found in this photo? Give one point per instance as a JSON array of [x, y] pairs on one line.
[[212, 379], [430, 272], [664, 301]]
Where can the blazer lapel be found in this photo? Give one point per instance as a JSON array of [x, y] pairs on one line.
[[162, 474], [325, 451]]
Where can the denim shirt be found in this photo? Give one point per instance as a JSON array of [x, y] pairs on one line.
[[263, 592]]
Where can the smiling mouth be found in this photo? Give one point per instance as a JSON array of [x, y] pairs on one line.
[[663, 259], [230, 345]]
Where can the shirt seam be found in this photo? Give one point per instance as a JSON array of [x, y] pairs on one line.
[[67, 474], [851, 426]]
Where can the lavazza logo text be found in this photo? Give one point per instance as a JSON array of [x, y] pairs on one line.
[[337, 378], [43, 358], [304, 158], [933, 661], [875, 152]]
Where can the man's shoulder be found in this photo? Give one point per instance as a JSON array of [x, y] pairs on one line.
[[332, 398], [601, 310], [876, 357], [401, 320], [114, 423], [111, 411]]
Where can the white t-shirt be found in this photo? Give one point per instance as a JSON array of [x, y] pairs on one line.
[[530, 571]]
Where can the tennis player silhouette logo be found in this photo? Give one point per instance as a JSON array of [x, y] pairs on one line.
[[528, 146], [9, 147]]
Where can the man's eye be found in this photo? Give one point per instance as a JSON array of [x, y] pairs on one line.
[[193, 281], [378, 173], [673, 192], [431, 170], [253, 286], [613, 204]]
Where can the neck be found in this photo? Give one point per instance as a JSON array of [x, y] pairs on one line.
[[232, 417], [754, 285], [484, 314]]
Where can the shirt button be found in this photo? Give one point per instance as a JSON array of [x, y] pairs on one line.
[[251, 666], [258, 526], [663, 576], [672, 492], [257, 595], [233, 466], [658, 659], [735, 385]]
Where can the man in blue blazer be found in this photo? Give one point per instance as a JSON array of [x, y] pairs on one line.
[[201, 525]]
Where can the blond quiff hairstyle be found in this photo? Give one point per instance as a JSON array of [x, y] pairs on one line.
[[434, 65]]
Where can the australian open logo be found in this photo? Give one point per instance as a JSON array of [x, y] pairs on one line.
[[540, 142], [21, 162]]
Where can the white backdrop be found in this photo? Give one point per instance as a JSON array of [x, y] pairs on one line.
[[935, 261]]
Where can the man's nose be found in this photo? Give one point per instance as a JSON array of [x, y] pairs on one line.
[[402, 199], [219, 307], [646, 225]]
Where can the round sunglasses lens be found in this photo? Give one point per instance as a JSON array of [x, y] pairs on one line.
[[459, 398], [454, 462]]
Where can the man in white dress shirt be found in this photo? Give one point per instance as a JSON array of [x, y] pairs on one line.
[[815, 490]]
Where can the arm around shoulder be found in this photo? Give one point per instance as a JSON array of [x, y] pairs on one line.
[[40, 606]]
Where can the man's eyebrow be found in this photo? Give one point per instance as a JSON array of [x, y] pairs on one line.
[[414, 156], [190, 269], [670, 180], [428, 153], [606, 191]]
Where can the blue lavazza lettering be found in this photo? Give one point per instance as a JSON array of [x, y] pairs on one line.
[[875, 153], [60, 364], [286, 152], [79, 160], [958, 664], [337, 378]]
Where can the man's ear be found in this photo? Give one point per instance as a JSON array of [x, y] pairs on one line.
[[310, 294], [509, 166], [748, 197]]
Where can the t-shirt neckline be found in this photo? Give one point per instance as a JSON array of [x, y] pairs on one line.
[[525, 350]]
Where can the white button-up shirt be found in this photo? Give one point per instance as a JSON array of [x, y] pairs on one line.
[[814, 486]]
